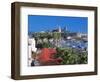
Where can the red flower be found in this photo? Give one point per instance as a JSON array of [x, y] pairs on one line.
[[58, 60], [46, 56]]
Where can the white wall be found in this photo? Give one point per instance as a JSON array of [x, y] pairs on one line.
[[5, 40]]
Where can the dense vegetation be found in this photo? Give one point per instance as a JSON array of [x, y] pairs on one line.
[[68, 55], [71, 56]]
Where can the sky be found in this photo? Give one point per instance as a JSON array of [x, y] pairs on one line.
[[38, 23]]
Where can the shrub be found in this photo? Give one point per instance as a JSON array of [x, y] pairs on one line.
[[71, 56]]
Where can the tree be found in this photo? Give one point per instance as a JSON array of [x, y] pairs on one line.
[[71, 56], [57, 37]]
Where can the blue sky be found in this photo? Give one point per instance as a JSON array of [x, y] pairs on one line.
[[37, 23]]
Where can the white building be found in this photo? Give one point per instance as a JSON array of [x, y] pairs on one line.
[[32, 43], [59, 29], [31, 48]]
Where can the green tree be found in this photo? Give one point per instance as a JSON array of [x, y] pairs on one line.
[[71, 56], [57, 37]]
